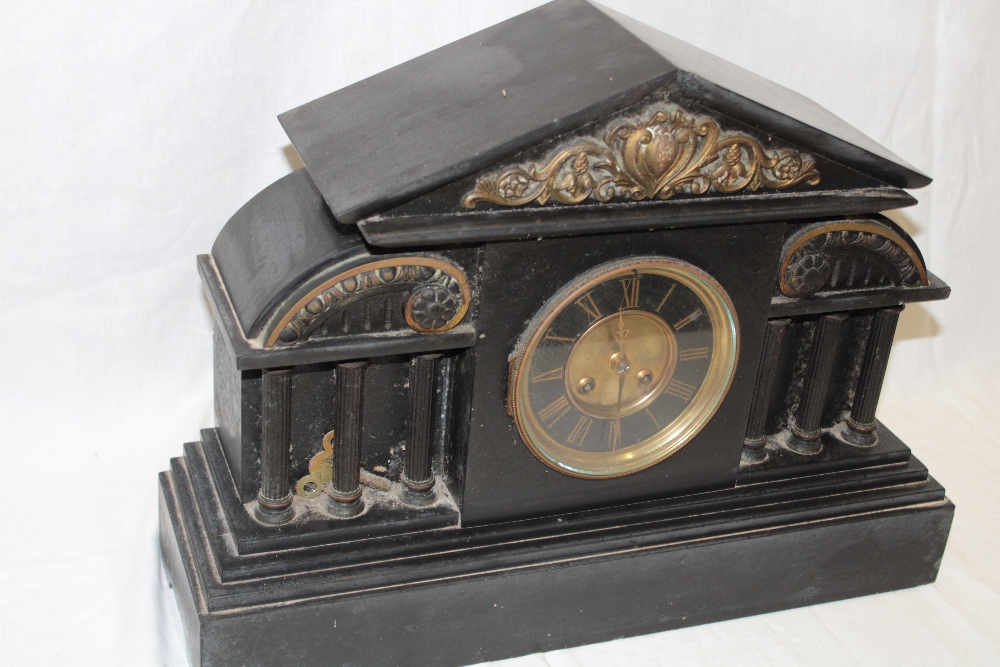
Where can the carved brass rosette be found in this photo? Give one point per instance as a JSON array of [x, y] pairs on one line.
[[437, 302], [669, 153], [843, 255]]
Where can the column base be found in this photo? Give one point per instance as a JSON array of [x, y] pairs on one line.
[[754, 452], [805, 444], [417, 497], [857, 435], [274, 514], [346, 509]]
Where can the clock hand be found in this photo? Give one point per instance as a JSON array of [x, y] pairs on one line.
[[621, 367], [620, 337], [618, 419]]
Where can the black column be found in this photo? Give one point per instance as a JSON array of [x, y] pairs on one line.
[[345, 485], [860, 429], [806, 427], [274, 500], [418, 478], [754, 441]]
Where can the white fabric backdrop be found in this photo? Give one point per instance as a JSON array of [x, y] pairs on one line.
[[133, 130]]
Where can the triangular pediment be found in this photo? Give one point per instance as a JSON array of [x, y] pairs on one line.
[[654, 152], [388, 147], [665, 161]]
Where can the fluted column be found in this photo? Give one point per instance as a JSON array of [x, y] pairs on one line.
[[274, 500], [754, 441], [345, 484], [805, 437], [418, 477], [860, 428]]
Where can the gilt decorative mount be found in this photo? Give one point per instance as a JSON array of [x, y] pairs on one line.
[[669, 153], [435, 298], [841, 255]]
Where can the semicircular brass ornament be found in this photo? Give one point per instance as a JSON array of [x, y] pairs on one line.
[[665, 152], [839, 256], [438, 301]]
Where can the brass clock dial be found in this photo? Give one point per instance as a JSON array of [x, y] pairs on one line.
[[623, 366]]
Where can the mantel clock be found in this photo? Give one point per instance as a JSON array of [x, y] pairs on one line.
[[567, 314]]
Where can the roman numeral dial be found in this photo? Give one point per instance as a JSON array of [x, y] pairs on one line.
[[630, 290], [589, 306], [623, 366], [548, 376]]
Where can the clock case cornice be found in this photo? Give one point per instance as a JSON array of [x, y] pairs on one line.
[[396, 153]]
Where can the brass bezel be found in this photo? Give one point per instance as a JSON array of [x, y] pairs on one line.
[[672, 437]]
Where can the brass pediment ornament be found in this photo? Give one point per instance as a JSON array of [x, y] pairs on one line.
[[672, 152]]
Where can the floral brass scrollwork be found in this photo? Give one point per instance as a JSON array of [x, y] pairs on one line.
[[672, 152]]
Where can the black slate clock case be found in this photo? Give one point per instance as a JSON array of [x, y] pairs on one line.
[[365, 496], [496, 453]]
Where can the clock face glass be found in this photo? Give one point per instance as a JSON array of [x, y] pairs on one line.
[[623, 366]]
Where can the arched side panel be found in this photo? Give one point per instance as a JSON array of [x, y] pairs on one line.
[[846, 255], [274, 242], [422, 294]]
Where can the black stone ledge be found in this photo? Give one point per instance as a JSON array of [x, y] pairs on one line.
[[637, 584], [353, 556], [836, 456], [878, 297], [221, 509], [350, 567], [386, 230], [379, 344]]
